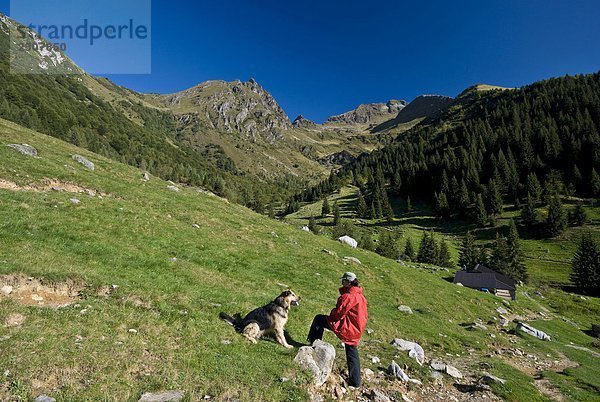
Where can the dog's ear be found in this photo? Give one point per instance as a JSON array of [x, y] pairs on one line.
[[286, 293]]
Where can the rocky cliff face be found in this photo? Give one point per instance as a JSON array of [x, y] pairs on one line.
[[302, 122], [368, 113], [231, 107]]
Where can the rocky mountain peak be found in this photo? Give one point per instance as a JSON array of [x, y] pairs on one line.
[[369, 113], [303, 122]]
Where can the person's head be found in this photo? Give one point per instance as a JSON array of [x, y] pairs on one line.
[[349, 279]]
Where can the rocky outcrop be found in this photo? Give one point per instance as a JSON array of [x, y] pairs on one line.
[[302, 122], [230, 107], [368, 113], [318, 359], [337, 159], [25, 149]]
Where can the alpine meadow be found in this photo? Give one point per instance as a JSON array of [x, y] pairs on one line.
[[187, 241]]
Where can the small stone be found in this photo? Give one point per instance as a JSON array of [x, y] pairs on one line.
[[44, 398], [90, 193], [226, 342], [85, 310], [503, 322], [395, 370], [37, 297], [167, 396], [6, 290], [436, 375], [284, 379], [405, 309], [195, 225], [133, 331], [85, 162], [375, 359], [74, 201], [370, 331], [174, 188], [378, 396], [174, 259], [437, 365], [146, 176], [501, 310], [352, 260], [369, 373], [477, 326], [6, 373]]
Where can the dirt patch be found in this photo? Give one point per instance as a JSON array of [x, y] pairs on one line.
[[14, 320], [546, 388], [34, 292], [47, 185]]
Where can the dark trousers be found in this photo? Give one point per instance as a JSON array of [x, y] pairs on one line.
[[319, 325]]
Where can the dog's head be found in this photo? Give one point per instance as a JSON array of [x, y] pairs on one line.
[[289, 298]]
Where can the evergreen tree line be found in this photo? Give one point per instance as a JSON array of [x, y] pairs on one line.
[[491, 148]]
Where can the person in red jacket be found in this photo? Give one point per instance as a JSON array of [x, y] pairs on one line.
[[347, 321]]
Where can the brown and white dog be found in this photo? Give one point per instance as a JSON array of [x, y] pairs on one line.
[[270, 318]]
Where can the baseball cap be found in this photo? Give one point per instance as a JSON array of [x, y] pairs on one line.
[[349, 276]]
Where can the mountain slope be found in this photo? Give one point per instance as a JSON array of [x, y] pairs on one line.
[[158, 328], [421, 107], [370, 113]]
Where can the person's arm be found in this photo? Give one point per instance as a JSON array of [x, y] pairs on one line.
[[344, 304]]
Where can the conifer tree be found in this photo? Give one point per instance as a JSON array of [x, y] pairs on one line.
[[271, 211], [336, 213], [594, 183], [366, 242], [493, 199], [468, 254], [312, 225], [325, 209], [463, 199], [444, 259], [441, 205], [428, 252], [387, 245], [409, 251], [529, 215], [578, 216], [409, 207], [361, 207], [500, 256], [556, 222], [586, 265], [515, 260], [534, 188], [481, 216], [396, 182]]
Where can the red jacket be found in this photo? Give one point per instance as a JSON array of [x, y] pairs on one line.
[[349, 318]]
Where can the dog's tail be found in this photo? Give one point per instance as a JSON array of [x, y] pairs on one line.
[[235, 321]]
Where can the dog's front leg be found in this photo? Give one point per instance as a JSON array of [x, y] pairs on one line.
[[280, 336]]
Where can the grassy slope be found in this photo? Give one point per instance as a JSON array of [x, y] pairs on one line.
[[233, 260]]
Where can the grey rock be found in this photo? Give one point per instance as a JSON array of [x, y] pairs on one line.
[[405, 309], [173, 259], [174, 188], [395, 370], [378, 396], [167, 396], [437, 365], [85, 162], [436, 375], [75, 201], [477, 326], [453, 372], [532, 331], [146, 176], [318, 359], [490, 379], [503, 322], [44, 398], [25, 149], [6, 290], [352, 260], [501, 310]]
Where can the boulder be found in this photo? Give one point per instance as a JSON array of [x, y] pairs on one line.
[[437, 365], [405, 309], [395, 370], [146, 176], [477, 326], [490, 379], [305, 229], [453, 372], [414, 349], [173, 188], [318, 359], [85, 162], [348, 241], [532, 331], [25, 149], [167, 396]]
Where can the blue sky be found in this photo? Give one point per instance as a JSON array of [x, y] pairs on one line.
[[320, 58]]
